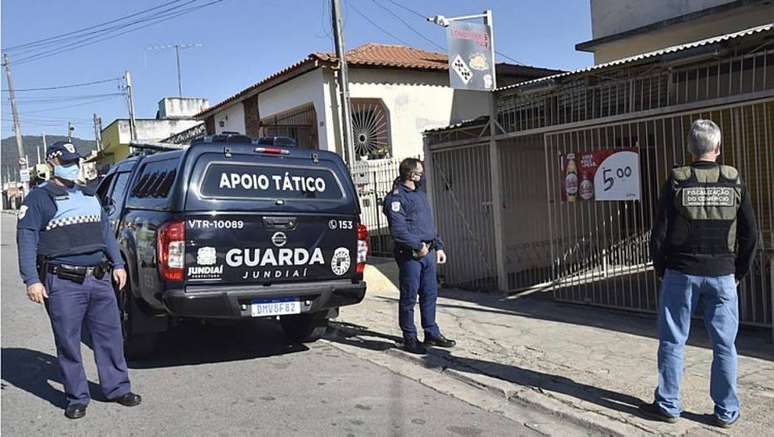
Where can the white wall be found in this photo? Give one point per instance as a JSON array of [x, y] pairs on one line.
[[301, 90], [233, 118], [609, 17], [182, 107], [157, 130], [416, 101]]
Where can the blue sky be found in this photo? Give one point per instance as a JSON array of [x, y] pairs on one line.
[[242, 42]]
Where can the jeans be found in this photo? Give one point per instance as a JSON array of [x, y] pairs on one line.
[[418, 277], [680, 294]]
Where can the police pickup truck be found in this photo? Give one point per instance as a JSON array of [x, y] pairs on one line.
[[231, 228]]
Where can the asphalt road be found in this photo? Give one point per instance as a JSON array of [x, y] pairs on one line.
[[220, 380]]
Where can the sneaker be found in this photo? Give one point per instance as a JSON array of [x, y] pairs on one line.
[[653, 411]]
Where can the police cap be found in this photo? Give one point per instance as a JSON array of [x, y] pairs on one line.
[[63, 150]]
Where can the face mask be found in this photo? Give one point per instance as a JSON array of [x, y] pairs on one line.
[[69, 173]]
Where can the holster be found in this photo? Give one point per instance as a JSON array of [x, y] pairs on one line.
[[42, 266]]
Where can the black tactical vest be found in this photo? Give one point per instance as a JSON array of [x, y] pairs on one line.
[[706, 201]]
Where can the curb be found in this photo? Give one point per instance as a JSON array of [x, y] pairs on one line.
[[528, 397]]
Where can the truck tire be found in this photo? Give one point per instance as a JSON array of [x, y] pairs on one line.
[[136, 346], [305, 328]]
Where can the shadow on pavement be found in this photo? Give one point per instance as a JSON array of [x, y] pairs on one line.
[[196, 343], [751, 342], [350, 334], [32, 372]]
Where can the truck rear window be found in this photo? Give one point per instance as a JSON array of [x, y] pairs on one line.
[[255, 181]]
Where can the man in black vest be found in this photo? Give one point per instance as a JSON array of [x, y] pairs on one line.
[[66, 252], [703, 243]]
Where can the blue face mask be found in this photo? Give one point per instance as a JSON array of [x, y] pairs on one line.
[[69, 172]]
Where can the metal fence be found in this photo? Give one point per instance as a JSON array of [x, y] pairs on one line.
[[374, 179], [598, 252]]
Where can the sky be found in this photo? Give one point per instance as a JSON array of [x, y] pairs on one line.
[[240, 42]]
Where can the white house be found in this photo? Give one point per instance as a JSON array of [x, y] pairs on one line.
[[397, 92]]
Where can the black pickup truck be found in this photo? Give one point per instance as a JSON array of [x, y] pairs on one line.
[[230, 228]]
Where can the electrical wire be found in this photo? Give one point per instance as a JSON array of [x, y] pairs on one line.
[[56, 108], [166, 15], [385, 31], [90, 40], [73, 85], [424, 17], [399, 18], [81, 30]]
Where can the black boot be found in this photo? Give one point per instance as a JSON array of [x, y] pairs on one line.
[[439, 341], [412, 345]]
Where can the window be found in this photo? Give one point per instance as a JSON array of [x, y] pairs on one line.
[[102, 190], [156, 179], [119, 188]]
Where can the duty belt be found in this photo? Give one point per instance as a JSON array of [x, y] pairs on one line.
[[77, 273]]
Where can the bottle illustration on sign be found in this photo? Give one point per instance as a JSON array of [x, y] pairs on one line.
[[571, 178], [586, 187]]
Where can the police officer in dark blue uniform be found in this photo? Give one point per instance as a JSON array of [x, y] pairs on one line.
[[66, 254], [418, 250]]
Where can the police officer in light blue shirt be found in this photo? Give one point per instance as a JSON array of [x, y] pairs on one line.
[[66, 254], [418, 250]]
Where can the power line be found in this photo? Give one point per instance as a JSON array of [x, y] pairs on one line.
[[424, 17], [164, 16], [95, 37], [56, 108], [73, 85], [385, 31], [54, 99], [80, 31], [423, 36]]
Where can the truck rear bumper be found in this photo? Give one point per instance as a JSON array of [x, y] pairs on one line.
[[233, 301]]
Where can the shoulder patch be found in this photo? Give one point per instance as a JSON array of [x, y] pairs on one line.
[[22, 211], [395, 206]]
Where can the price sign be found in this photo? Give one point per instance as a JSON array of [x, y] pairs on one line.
[[618, 177], [24, 175]]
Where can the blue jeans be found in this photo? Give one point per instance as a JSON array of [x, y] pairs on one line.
[[417, 277], [93, 304], [680, 294]]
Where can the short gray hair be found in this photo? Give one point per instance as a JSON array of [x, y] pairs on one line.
[[703, 138]]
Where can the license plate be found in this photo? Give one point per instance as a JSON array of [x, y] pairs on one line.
[[275, 307]]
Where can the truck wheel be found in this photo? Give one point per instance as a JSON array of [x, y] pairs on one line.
[[305, 328], [136, 346]]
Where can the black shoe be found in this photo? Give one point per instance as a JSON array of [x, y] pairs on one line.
[[75, 411], [655, 412], [717, 421], [439, 341], [128, 400], [412, 345]]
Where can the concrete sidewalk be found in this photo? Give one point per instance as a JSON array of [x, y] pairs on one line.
[[586, 365]]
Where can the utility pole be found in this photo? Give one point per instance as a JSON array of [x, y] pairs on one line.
[[70, 130], [130, 105], [346, 109], [98, 131], [23, 164]]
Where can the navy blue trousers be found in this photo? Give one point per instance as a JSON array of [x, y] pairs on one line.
[[92, 305], [417, 278]]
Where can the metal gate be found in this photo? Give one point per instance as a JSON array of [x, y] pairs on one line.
[[462, 203], [600, 249]]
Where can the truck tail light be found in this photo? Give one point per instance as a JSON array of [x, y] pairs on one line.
[[272, 150], [171, 250], [362, 247]]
